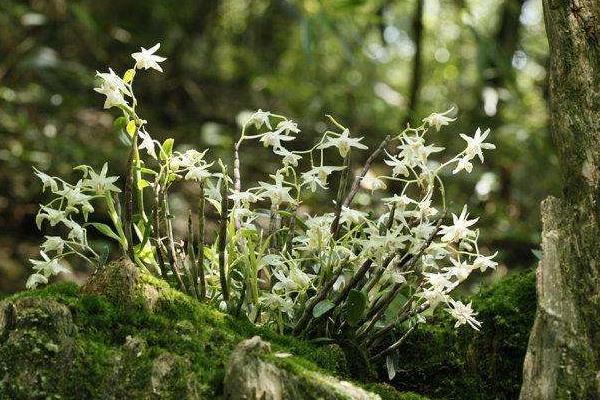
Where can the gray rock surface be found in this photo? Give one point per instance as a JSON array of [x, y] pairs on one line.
[[255, 373]]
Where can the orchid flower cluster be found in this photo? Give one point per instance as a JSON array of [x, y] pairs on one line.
[[371, 273]]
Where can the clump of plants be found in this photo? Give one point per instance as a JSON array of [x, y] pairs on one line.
[[348, 272]]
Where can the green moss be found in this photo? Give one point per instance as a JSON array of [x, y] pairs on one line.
[[194, 341], [62, 290], [442, 362], [118, 348], [387, 392]]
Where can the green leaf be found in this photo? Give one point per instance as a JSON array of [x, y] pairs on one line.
[[129, 74], [139, 229], [148, 171], [145, 253], [105, 230], [323, 340], [167, 148], [81, 167], [391, 367], [215, 203], [142, 183], [322, 307], [537, 253], [124, 138], [120, 122], [131, 128], [355, 306]]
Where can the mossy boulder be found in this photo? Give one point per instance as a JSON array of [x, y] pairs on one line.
[[255, 372], [126, 334], [463, 364], [37, 336]]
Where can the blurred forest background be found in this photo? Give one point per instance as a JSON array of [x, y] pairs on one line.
[[374, 64]]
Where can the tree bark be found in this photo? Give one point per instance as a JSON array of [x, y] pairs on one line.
[[564, 347], [417, 68]]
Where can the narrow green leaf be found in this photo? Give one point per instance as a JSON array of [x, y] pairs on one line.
[[167, 147], [129, 75], [355, 306], [120, 122], [105, 230], [142, 183], [131, 128], [322, 307], [124, 138], [148, 171]]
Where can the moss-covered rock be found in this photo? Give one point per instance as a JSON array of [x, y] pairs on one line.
[[255, 372], [37, 336], [129, 335], [462, 364]]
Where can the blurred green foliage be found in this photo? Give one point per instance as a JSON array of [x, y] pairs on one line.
[[304, 58]]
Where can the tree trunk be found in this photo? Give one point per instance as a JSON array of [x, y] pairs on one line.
[[563, 355]]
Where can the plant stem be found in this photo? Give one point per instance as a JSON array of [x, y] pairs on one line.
[[192, 256], [398, 320], [200, 246], [377, 311], [237, 179], [335, 225], [128, 206], [172, 254], [356, 183], [320, 296], [291, 230], [273, 225], [403, 315], [156, 228], [137, 173], [379, 273], [116, 221], [223, 237], [395, 345]]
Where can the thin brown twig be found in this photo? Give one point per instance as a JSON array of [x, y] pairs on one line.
[[394, 346], [156, 228], [379, 273], [291, 229], [339, 198], [128, 205], [237, 179], [170, 248], [400, 319], [223, 237], [192, 256], [381, 306], [320, 296], [200, 245], [356, 183]]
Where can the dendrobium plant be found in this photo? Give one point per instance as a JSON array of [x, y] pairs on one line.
[[367, 274]]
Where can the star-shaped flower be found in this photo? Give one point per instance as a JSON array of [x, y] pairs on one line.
[[260, 118], [476, 143], [438, 120], [343, 143], [459, 229], [145, 59], [147, 144], [100, 183], [289, 158], [464, 314]]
